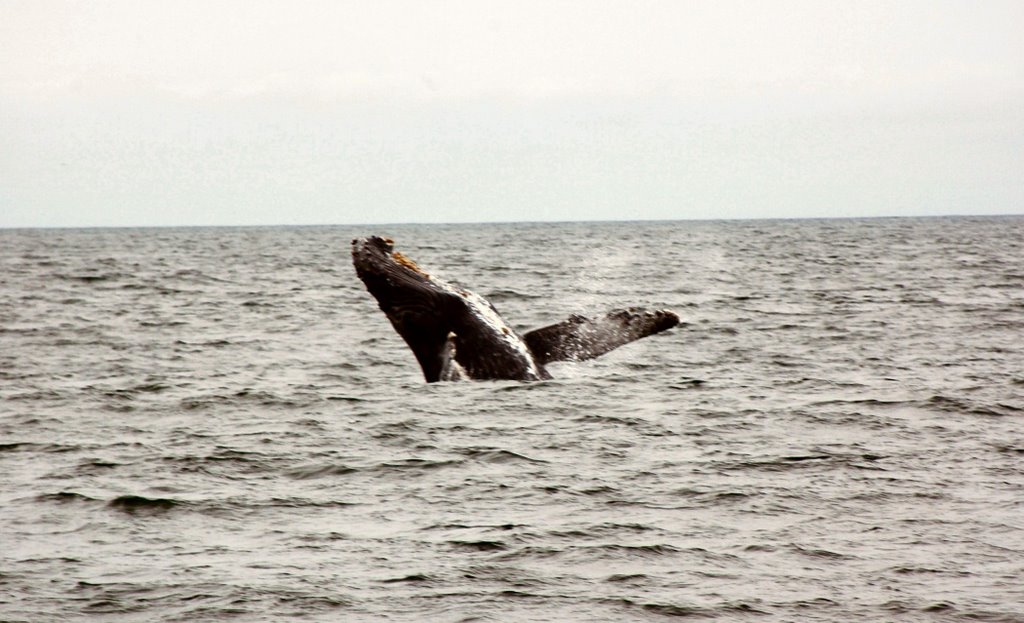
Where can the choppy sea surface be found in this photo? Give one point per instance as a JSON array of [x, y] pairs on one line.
[[217, 424]]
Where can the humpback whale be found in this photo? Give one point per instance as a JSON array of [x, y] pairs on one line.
[[457, 334]]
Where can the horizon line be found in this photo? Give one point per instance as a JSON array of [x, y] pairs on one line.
[[532, 222]]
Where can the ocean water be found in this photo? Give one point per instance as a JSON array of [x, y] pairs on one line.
[[217, 424]]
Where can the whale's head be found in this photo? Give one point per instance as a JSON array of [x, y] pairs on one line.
[[386, 272], [420, 307], [412, 299], [439, 321]]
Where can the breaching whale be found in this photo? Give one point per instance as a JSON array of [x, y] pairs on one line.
[[457, 334]]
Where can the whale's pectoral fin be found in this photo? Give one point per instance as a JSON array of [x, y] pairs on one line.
[[578, 338]]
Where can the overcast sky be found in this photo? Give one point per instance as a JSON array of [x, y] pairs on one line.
[[262, 112]]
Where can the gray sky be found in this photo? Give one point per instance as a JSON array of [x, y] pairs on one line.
[[262, 112]]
